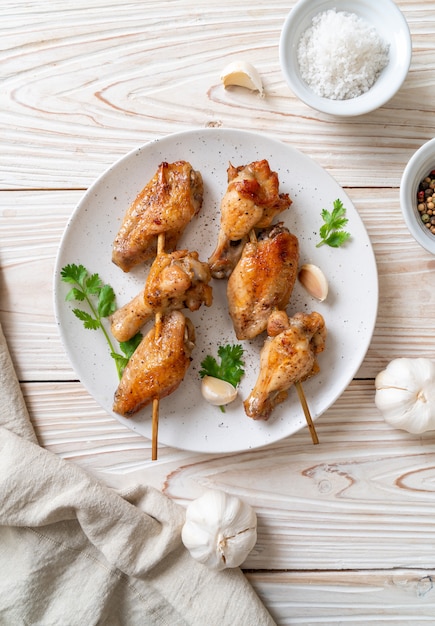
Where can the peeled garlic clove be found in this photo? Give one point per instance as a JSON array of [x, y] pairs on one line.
[[242, 74], [220, 530], [314, 281], [216, 391]]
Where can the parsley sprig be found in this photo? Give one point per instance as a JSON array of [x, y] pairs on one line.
[[101, 301], [332, 233], [230, 367]]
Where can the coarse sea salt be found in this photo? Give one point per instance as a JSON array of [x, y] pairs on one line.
[[341, 55]]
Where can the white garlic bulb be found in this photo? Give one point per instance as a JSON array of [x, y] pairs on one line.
[[405, 394], [220, 529]]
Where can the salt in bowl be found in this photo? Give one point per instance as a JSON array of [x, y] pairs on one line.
[[391, 28]]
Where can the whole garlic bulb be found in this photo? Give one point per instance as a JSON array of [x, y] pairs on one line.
[[405, 394], [220, 529]]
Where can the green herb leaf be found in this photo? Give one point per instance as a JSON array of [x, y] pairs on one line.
[[93, 284], [331, 232], [101, 301], [230, 367], [106, 301], [128, 347], [74, 274], [87, 319], [120, 360], [75, 294]]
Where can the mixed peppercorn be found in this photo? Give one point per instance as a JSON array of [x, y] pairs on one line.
[[426, 201]]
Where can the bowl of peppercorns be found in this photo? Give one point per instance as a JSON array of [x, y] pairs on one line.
[[417, 195]]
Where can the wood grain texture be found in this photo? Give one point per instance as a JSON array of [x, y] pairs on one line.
[[401, 597], [364, 498], [83, 85], [345, 529]]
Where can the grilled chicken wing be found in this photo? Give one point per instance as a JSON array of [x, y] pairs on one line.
[[158, 365], [252, 200], [165, 205], [176, 280], [288, 356], [262, 280]]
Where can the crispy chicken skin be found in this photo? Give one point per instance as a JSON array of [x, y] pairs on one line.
[[262, 280], [158, 365], [288, 356], [165, 205], [176, 280], [252, 200]]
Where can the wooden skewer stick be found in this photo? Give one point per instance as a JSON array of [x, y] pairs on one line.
[[155, 429], [303, 401], [157, 333]]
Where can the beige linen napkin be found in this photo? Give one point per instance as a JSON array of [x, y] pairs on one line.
[[74, 552]]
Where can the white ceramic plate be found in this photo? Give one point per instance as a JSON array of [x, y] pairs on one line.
[[186, 420]]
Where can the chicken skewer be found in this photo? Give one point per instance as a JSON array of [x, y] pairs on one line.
[[261, 283], [251, 201], [157, 217], [287, 357], [157, 366]]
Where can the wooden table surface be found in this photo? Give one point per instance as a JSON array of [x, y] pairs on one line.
[[346, 531]]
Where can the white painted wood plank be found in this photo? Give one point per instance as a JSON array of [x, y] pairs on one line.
[[362, 499], [82, 85], [400, 597]]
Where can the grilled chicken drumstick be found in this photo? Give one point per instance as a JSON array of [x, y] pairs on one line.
[[287, 357], [164, 206], [262, 280], [158, 365], [252, 200], [176, 280]]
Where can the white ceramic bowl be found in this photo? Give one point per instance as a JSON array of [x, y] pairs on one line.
[[391, 26], [421, 163]]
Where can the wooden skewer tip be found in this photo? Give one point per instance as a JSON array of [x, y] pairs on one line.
[[307, 413]]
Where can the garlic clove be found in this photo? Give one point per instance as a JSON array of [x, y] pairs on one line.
[[217, 392], [314, 281], [242, 74]]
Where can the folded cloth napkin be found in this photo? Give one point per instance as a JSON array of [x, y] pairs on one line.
[[74, 552]]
